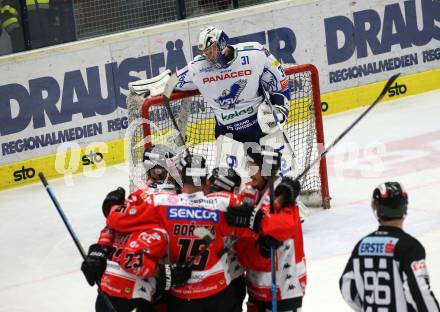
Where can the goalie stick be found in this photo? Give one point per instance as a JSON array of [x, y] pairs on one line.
[[169, 87], [348, 129], [75, 239]]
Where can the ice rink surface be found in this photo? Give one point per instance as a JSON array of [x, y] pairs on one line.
[[399, 140]]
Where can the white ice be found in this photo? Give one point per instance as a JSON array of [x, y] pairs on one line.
[[399, 140]]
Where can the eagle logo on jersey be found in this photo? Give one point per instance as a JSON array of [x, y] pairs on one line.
[[229, 98]]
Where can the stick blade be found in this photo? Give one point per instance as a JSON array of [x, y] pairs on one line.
[[389, 83]]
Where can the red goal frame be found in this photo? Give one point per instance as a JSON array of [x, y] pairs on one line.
[[316, 95]]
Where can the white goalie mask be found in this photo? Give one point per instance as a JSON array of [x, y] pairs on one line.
[[212, 41]]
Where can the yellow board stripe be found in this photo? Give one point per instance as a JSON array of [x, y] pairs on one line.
[[113, 151], [57, 165], [340, 101]]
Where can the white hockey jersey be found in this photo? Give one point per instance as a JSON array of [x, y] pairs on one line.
[[233, 92]]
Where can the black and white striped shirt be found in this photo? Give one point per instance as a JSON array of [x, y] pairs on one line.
[[387, 273]]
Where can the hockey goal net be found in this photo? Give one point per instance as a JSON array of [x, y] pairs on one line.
[[150, 124]]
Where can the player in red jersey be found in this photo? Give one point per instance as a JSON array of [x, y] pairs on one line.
[[161, 171], [124, 262], [254, 253], [208, 288], [224, 179]]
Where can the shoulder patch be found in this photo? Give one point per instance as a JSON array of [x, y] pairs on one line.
[[419, 268], [276, 63]]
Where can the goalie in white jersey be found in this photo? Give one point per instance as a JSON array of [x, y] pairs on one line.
[[228, 77]]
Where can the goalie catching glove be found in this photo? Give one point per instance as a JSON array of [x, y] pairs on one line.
[[150, 87], [265, 117]]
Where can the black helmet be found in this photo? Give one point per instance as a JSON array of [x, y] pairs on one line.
[[390, 201], [193, 170], [224, 179], [262, 156]]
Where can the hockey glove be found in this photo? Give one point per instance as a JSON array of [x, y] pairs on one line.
[[289, 190], [116, 197], [172, 276], [265, 243], [266, 120], [244, 216], [94, 265]]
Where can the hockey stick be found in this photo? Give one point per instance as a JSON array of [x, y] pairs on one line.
[[75, 239], [206, 236], [169, 87], [344, 133], [273, 267]]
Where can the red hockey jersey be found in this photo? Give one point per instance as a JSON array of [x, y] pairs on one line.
[[132, 262], [291, 268], [180, 215]]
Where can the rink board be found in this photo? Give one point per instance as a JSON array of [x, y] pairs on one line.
[[74, 161], [75, 93]]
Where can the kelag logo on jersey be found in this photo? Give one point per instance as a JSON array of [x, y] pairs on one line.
[[230, 97], [378, 246], [192, 213]]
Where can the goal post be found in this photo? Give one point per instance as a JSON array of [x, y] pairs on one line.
[[150, 124]]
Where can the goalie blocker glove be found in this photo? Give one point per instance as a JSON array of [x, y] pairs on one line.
[[265, 116], [244, 216], [172, 276], [116, 197], [95, 264], [289, 190]]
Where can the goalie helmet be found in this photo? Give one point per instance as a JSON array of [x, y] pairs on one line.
[[193, 170], [212, 42], [224, 179], [390, 201]]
